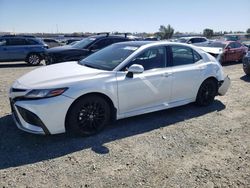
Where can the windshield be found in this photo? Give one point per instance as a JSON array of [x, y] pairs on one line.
[[109, 57], [212, 45], [182, 40], [83, 43]]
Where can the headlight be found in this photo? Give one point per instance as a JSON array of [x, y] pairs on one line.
[[45, 93]]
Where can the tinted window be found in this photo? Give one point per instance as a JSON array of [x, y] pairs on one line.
[[150, 59], [16, 41], [102, 43], [232, 45], [115, 40], [237, 45], [194, 40], [31, 42], [182, 55], [197, 56], [202, 40]]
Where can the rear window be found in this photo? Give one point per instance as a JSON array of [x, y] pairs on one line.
[[182, 55]]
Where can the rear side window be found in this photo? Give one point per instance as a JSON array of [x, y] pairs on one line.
[[102, 43], [182, 55], [115, 40], [16, 42]]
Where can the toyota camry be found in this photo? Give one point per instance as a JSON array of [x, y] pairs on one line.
[[119, 81]]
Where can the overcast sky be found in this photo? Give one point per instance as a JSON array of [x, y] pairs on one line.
[[123, 16]]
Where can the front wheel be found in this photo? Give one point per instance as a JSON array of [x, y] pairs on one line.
[[33, 59], [88, 116], [207, 92]]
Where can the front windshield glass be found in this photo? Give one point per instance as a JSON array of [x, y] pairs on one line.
[[109, 57], [182, 40], [83, 43]]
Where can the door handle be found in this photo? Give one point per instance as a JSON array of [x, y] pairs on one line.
[[166, 74]]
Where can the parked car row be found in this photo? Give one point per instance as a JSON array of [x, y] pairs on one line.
[[33, 50]]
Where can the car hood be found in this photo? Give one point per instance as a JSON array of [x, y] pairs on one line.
[[211, 50], [57, 75]]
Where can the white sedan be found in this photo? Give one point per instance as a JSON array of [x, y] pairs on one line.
[[119, 81]]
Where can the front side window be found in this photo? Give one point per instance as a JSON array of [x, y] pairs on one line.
[[232, 45], [150, 59], [237, 45], [182, 55]]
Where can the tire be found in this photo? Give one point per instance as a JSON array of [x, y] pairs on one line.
[[34, 59], [88, 115], [207, 92], [246, 66]]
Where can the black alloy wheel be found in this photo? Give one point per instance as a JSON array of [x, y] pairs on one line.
[[207, 92], [89, 115]]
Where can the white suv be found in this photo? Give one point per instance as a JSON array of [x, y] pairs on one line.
[[119, 81]]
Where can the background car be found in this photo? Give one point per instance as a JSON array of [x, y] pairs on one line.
[[225, 51], [22, 48], [70, 41], [192, 40], [51, 42], [83, 48], [119, 81], [246, 63]]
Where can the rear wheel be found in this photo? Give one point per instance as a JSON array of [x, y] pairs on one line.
[[34, 59], [207, 92], [88, 116]]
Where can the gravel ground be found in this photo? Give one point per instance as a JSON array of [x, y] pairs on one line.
[[188, 146]]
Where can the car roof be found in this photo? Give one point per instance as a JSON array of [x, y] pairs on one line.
[[152, 43], [106, 35]]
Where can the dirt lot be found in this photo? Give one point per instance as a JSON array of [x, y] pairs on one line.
[[186, 146]]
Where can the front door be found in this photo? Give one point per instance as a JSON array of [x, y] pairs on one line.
[[149, 90]]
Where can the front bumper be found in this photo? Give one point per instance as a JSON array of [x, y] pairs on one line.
[[224, 86], [42, 116]]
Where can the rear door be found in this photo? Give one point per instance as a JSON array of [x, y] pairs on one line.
[[16, 49], [188, 70]]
